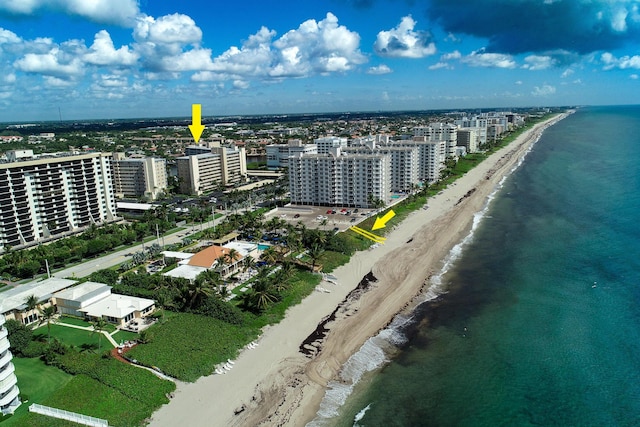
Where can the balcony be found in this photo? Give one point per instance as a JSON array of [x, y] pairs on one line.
[[9, 397]]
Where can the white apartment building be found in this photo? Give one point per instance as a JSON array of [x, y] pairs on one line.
[[52, 196], [138, 177], [9, 392], [468, 138], [437, 132], [339, 179], [278, 154], [325, 144], [431, 156], [404, 163]]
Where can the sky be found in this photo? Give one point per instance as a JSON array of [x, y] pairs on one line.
[[110, 59]]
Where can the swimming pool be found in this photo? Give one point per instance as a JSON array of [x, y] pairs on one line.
[[263, 247]]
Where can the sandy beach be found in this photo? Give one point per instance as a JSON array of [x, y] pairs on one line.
[[275, 384]]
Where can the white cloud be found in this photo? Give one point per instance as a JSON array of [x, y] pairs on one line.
[[119, 12], [622, 63], [168, 29], [240, 84], [451, 55], [538, 62], [440, 65], [566, 73], [633, 77], [55, 63], [319, 47], [518, 82], [380, 69], [495, 60], [103, 52], [544, 90], [7, 36], [403, 42], [9, 78]]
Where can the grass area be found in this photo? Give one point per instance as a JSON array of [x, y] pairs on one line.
[[187, 346], [120, 393], [124, 336], [37, 381], [71, 336], [80, 322]]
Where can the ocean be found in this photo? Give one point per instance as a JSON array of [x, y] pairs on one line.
[[536, 321]]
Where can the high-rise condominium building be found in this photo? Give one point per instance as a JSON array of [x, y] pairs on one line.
[[326, 143], [437, 132], [278, 154], [403, 163], [43, 198], [204, 172], [338, 179], [134, 177], [9, 393]]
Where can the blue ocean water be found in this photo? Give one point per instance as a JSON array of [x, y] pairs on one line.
[[540, 324]]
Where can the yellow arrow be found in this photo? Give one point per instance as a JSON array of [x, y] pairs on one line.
[[196, 127], [382, 222]]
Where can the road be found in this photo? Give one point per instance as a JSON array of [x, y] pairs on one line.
[[86, 268]]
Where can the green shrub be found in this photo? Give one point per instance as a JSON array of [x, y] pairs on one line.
[[221, 310], [34, 349]]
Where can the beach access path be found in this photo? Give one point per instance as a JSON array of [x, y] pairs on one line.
[[274, 383]]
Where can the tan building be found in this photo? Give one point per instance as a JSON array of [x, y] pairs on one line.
[[200, 173], [134, 177]]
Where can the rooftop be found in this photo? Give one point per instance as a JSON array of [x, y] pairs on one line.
[[15, 298]]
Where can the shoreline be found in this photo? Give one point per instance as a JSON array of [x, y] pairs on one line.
[[275, 383]]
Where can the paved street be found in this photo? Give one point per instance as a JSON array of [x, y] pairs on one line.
[[115, 258]]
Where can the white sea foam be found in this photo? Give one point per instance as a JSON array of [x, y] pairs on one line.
[[360, 415], [372, 354]]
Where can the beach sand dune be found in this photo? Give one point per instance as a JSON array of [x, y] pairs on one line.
[[277, 384]]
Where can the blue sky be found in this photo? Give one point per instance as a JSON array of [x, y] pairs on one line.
[[107, 59]]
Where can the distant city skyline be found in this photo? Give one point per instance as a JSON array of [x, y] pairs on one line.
[[111, 59]]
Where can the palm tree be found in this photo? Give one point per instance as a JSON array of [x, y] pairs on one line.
[[47, 315], [198, 290], [263, 294], [270, 255], [249, 263], [315, 253], [99, 326], [32, 303], [232, 256]]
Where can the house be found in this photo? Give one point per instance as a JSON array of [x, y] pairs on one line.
[[13, 302], [217, 257], [95, 301]]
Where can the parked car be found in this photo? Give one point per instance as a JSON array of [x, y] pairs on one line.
[[355, 210], [296, 216], [329, 211]]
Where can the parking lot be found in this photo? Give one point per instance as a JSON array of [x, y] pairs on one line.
[[313, 216]]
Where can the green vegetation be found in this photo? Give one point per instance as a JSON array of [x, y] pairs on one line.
[[210, 341], [69, 336], [37, 381]]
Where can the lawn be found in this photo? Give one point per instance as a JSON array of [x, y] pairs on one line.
[[71, 336], [122, 394], [37, 381], [79, 322], [124, 336]]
